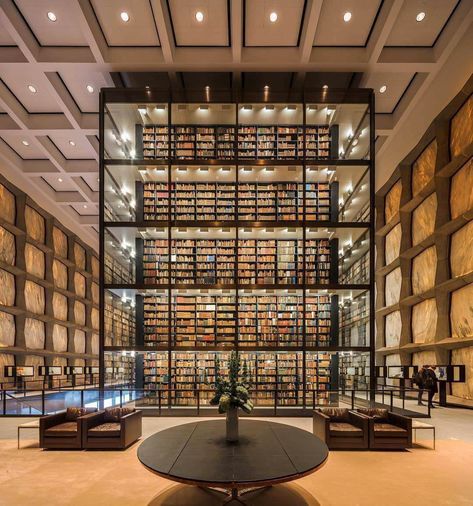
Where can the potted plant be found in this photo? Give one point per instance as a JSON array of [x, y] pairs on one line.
[[232, 393]]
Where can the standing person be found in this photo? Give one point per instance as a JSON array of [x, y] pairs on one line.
[[431, 383], [419, 379]]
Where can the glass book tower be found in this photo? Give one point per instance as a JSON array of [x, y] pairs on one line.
[[239, 223]]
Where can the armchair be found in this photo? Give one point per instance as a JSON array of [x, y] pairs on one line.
[[63, 430], [115, 428], [388, 430], [341, 428]]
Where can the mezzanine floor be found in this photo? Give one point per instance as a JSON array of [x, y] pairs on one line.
[[102, 478]]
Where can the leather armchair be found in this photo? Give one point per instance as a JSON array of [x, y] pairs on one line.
[[341, 428], [388, 430], [62, 430], [100, 433]]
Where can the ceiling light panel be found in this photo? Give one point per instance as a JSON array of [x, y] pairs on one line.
[[393, 83], [65, 31], [17, 142], [189, 32], [407, 31], [90, 210], [336, 28], [65, 185], [19, 77], [77, 79], [81, 150], [140, 30], [285, 31]]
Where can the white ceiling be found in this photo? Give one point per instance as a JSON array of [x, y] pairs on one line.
[[89, 44]]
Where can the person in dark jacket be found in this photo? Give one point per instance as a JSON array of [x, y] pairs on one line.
[[418, 379], [431, 383]]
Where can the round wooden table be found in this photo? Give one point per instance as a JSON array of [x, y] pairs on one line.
[[266, 454]]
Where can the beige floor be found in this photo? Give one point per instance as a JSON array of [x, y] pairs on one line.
[[30, 476]]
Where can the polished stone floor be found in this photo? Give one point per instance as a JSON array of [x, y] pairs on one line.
[[418, 476]]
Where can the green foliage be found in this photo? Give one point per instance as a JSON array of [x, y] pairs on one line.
[[232, 392]]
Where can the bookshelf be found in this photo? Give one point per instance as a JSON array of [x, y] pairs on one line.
[[236, 247]]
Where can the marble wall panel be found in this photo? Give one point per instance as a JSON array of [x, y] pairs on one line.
[[424, 268], [95, 344], [393, 328], [464, 356], [79, 284], [426, 357], [36, 361], [79, 313], [393, 244], [424, 321], [461, 312], [461, 129], [6, 359], [423, 168], [7, 205], [34, 297], [461, 190], [59, 242], [60, 306], [392, 201], [59, 338], [7, 247], [461, 248], [95, 292], [34, 334], [393, 286], [79, 341], [95, 267], [60, 274], [7, 330], [34, 260], [423, 219], [35, 224], [79, 256], [95, 319], [7, 288]]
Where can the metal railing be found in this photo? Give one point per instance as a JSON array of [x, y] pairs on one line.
[[37, 402]]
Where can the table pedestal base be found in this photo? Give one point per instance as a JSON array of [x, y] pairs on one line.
[[235, 494]]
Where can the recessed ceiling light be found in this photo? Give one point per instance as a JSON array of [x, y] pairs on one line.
[[84, 206], [90, 88], [59, 179], [51, 16], [420, 16], [32, 88], [347, 17], [383, 88], [325, 87], [72, 143], [125, 16], [199, 16], [273, 17], [25, 143]]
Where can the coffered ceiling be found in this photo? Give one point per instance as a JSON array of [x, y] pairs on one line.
[[55, 55]]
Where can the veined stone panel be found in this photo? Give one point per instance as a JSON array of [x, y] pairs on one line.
[[461, 128], [59, 306], [393, 286], [7, 247], [461, 190], [79, 256], [34, 334], [95, 319], [7, 330], [424, 268], [79, 313], [95, 267], [390, 360], [423, 219], [392, 329], [35, 224], [393, 244], [34, 260], [34, 297], [95, 344], [426, 357], [423, 168], [461, 248], [7, 288], [424, 321], [59, 338], [79, 341], [7, 205], [6, 359], [60, 274], [464, 356], [58, 380], [461, 311], [59, 242], [36, 361], [392, 201], [95, 293], [79, 284]]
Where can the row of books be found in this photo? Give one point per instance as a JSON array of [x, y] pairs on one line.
[[213, 261], [185, 142], [273, 377], [229, 201]]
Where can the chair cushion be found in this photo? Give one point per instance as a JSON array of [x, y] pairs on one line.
[[389, 430], [344, 429], [109, 429], [336, 414], [114, 414], [377, 413], [65, 429], [74, 413]]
